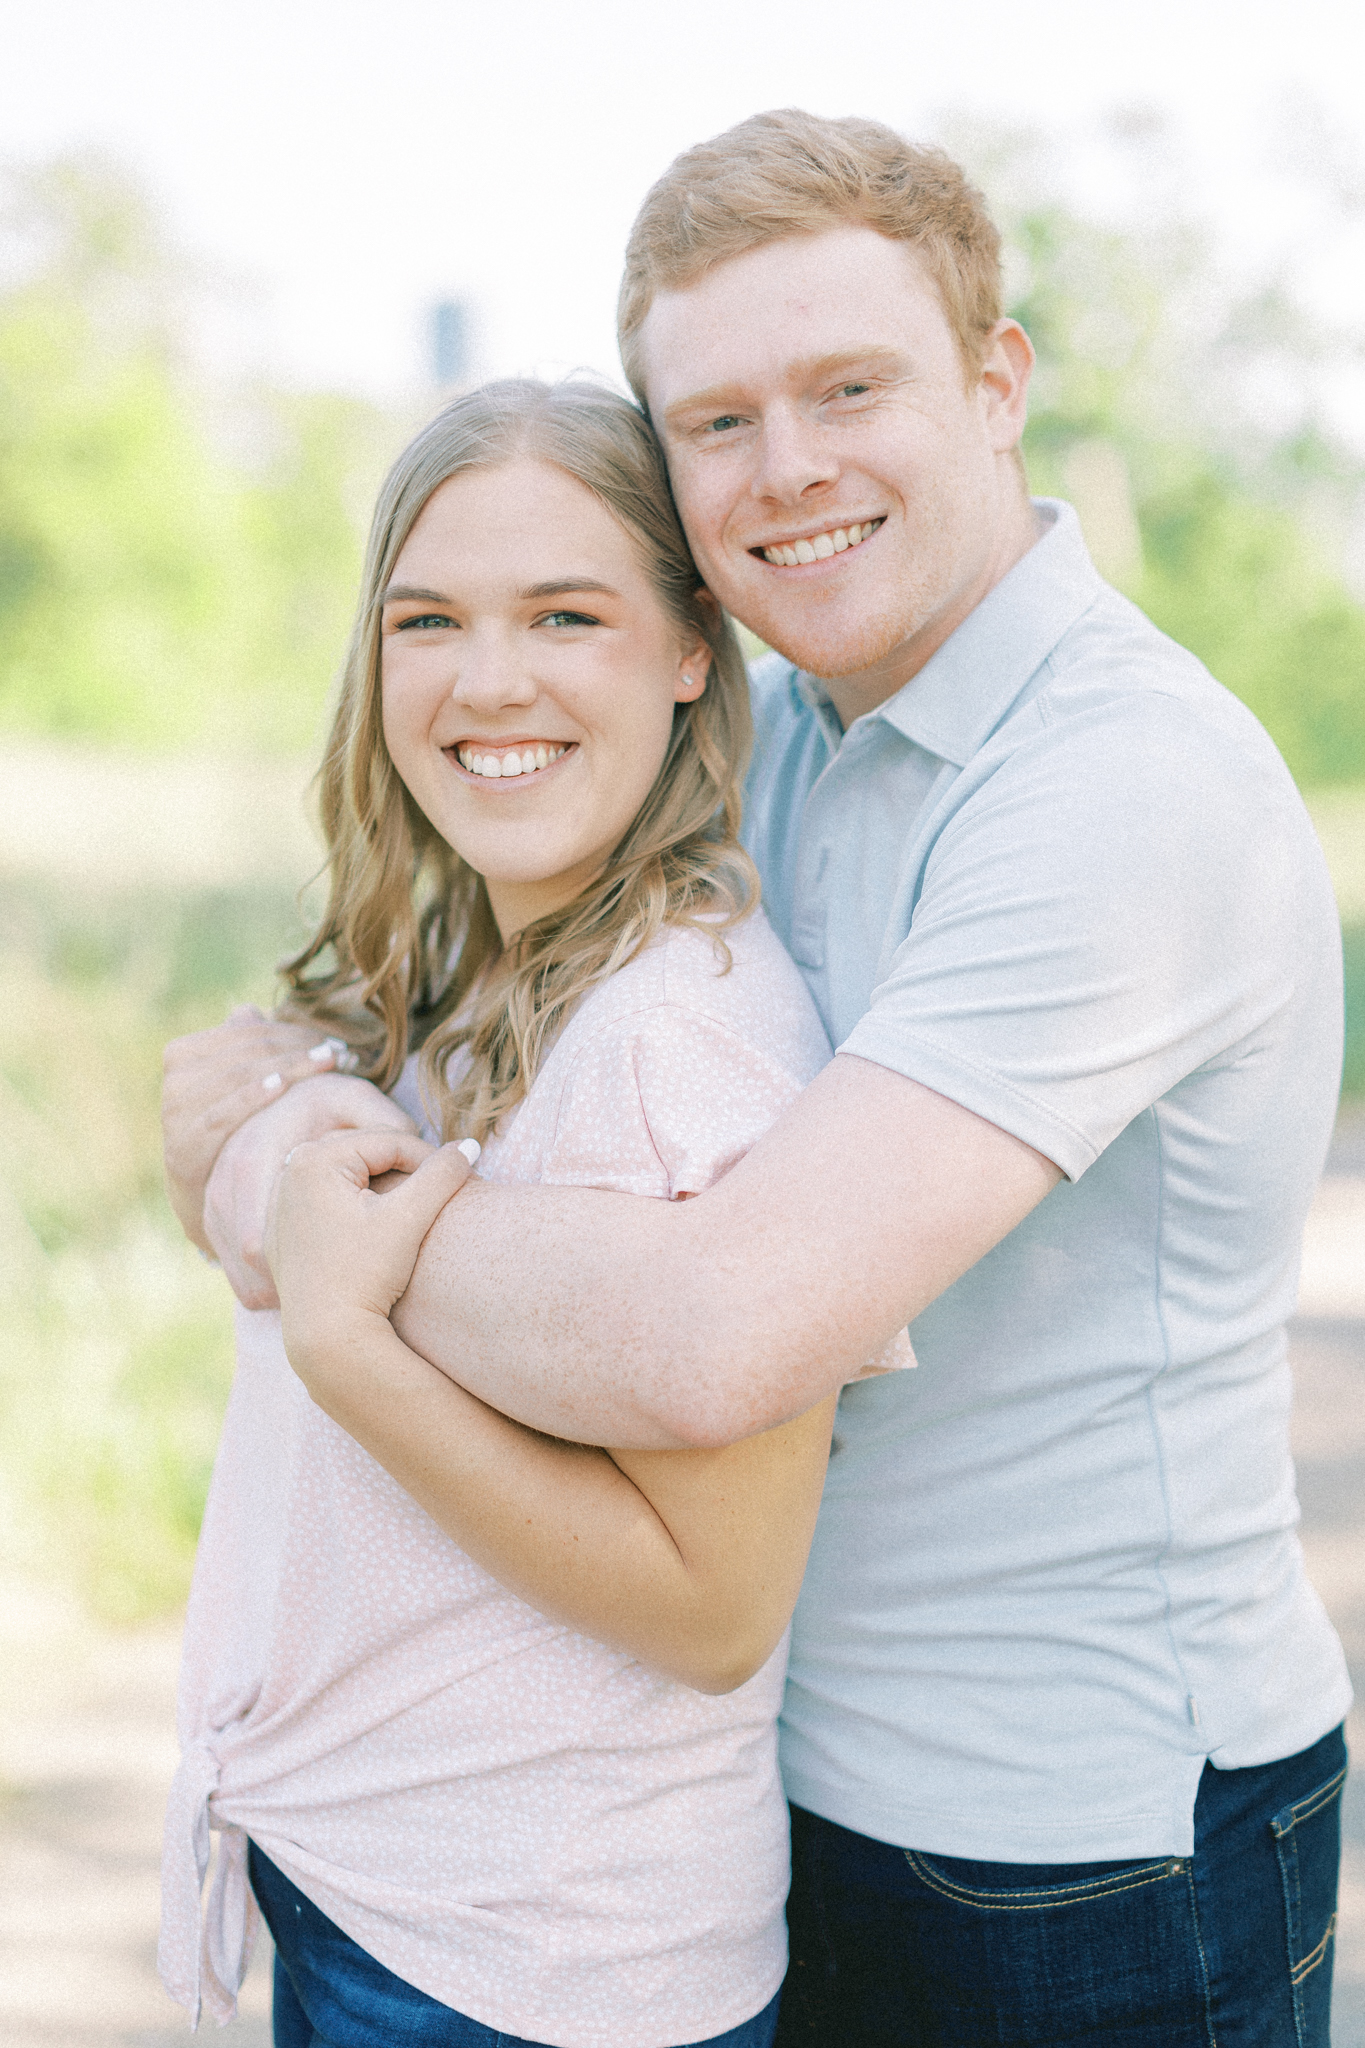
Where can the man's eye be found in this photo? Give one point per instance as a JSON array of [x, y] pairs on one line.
[[722, 423], [853, 390], [426, 619]]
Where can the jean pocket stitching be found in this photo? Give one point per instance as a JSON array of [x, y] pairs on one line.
[[1080, 1894], [1310, 1962], [1290, 1817]]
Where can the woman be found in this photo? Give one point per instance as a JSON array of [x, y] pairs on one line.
[[495, 1714]]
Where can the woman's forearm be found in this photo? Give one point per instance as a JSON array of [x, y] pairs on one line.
[[700, 1586]]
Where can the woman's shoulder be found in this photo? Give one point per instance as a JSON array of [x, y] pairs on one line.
[[668, 1072], [739, 983]]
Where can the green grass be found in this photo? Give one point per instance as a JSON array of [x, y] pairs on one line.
[[115, 1340]]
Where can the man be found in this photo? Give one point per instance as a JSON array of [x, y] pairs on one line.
[[1062, 1734]]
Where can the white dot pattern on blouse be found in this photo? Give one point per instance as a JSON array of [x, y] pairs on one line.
[[529, 1826]]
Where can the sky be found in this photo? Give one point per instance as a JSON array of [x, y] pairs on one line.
[[344, 166]]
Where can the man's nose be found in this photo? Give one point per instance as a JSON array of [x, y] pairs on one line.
[[796, 455]]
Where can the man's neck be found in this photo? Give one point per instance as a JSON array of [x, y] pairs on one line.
[[854, 696]]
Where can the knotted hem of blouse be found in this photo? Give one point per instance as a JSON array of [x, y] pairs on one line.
[[202, 1958]]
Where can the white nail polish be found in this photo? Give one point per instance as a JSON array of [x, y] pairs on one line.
[[272, 1082], [471, 1149], [326, 1051]]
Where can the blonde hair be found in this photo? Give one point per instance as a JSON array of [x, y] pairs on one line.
[[793, 173], [408, 952]]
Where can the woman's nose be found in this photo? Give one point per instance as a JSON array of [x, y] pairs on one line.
[[492, 671]]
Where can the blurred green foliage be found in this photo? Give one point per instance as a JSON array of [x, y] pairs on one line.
[[1353, 1078], [1185, 422], [177, 561], [116, 1351]]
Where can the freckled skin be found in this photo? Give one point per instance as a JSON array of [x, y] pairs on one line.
[[813, 382]]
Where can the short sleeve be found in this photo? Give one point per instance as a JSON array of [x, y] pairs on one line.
[[1112, 907], [663, 1102]]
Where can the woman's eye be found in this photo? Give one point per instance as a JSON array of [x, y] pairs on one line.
[[424, 619], [569, 619]]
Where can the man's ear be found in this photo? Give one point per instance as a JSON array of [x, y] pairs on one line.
[[1005, 372]]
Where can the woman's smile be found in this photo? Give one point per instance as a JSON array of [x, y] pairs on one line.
[[508, 760]]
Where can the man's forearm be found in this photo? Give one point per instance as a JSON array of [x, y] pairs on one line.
[[612, 1319]]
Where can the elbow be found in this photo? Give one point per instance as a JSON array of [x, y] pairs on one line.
[[726, 1660], [722, 1396]]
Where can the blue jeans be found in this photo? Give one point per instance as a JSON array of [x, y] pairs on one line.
[[329, 1993], [891, 1948]]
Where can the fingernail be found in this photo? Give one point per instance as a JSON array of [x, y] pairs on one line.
[[347, 1061], [471, 1149], [326, 1051], [272, 1082]]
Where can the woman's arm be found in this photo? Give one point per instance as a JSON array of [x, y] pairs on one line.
[[690, 1560], [214, 1081], [237, 1198]]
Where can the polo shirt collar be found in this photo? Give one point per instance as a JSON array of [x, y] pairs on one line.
[[963, 691]]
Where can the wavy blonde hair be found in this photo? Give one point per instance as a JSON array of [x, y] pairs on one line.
[[408, 953]]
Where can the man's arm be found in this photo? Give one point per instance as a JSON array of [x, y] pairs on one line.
[[606, 1319], [691, 1560]]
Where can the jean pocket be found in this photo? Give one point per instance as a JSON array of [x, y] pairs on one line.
[[1016, 1898], [1050, 1953], [1308, 1845]]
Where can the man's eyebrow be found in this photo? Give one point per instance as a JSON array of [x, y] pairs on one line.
[[721, 396]]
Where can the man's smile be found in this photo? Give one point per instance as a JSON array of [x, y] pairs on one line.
[[817, 547]]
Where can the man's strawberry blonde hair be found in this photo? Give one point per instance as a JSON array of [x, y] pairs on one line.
[[793, 173]]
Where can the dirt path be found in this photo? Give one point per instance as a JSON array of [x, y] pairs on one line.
[[87, 1743]]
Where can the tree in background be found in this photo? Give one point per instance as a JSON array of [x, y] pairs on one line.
[[1185, 421], [157, 588]]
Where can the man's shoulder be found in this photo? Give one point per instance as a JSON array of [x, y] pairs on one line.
[[1116, 684]]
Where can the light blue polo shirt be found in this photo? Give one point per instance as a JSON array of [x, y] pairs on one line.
[[1064, 878]]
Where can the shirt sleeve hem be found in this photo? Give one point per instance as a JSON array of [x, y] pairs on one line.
[[986, 1094]]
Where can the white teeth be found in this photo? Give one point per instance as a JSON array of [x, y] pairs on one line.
[[523, 762], [820, 547]]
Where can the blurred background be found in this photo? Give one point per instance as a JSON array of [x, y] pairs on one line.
[[243, 250]]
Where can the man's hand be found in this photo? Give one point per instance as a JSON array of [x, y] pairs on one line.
[[341, 1253], [215, 1080], [237, 1198]]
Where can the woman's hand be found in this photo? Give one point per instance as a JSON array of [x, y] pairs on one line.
[[237, 1198], [215, 1080], [342, 1253]]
